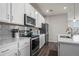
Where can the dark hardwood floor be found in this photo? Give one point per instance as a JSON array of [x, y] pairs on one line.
[[50, 49]]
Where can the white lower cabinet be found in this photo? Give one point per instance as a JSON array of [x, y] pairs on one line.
[[25, 51], [68, 49], [15, 49], [13, 53], [42, 40], [24, 47], [9, 50]]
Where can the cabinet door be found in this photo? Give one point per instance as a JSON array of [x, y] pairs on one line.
[[24, 47], [43, 20], [25, 51], [27, 9], [40, 45], [70, 49], [36, 16], [42, 40], [17, 13], [32, 10], [38, 21], [4, 12]]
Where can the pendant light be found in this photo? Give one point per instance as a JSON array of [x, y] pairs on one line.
[[74, 20]]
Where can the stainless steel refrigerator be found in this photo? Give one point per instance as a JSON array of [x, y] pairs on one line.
[[44, 30]]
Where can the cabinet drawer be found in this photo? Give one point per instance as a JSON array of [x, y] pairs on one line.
[[8, 45], [6, 49], [8, 52]]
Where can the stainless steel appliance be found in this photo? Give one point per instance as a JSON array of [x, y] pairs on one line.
[[29, 21], [44, 30], [34, 45]]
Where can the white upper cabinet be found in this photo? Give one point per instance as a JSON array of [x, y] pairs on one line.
[[35, 14], [4, 12], [38, 21], [29, 10], [32, 10], [14, 13], [17, 16], [42, 19]]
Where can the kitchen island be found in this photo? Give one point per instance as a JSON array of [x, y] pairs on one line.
[[68, 47]]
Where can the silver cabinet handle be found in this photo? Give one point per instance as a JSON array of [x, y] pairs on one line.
[[4, 51]]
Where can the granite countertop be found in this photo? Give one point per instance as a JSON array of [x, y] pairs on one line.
[[67, 40]]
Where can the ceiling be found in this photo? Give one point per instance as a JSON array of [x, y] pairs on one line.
[[55, 8]]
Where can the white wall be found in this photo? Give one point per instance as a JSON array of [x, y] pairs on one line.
[[57, 25]]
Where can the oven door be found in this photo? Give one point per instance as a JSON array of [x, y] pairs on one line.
[[34, 45]]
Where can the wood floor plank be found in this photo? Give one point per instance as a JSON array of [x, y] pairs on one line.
[[51, 46]]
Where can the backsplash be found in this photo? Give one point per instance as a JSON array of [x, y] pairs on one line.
[[5, 34]]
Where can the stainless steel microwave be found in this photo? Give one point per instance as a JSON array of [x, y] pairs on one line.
[[29, 21]]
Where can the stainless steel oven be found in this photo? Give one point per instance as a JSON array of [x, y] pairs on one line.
[[34, 45]]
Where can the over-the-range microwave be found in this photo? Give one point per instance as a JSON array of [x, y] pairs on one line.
[[29, 21]]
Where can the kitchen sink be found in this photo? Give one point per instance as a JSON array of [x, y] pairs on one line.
[[65, 37]]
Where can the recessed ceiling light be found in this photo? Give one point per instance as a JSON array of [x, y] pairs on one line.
[[65, 8]]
